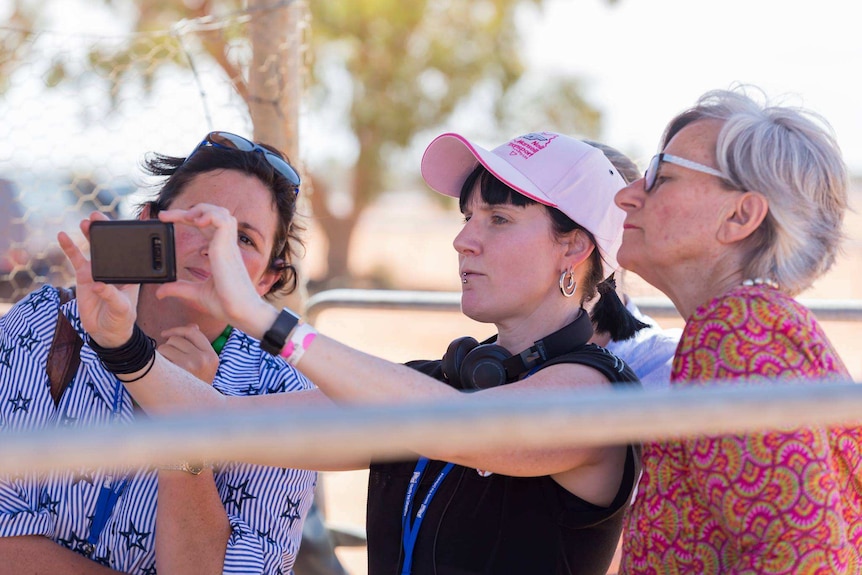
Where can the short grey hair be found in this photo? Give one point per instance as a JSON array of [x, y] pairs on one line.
[[791, 156]]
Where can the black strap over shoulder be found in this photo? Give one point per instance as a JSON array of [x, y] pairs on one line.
[[430, 367], [600, 359], [64, 356], [569, 338]]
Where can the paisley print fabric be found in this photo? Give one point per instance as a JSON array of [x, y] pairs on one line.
[[778, 502]]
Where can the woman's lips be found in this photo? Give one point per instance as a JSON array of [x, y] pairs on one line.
[[199, 273]]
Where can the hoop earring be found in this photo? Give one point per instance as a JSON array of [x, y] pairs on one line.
[[567, 283]]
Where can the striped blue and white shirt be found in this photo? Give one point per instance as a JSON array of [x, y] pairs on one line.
[[265, 505]]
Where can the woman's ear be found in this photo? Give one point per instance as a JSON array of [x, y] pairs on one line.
[[149, 211], [578, 247], [266, 281], [146, 211], [746, 213], [270, 277]]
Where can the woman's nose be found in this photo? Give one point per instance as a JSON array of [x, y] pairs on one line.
[[631, 196], [465, 241]]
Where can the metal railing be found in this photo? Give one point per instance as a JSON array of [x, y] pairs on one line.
[[657, 307]]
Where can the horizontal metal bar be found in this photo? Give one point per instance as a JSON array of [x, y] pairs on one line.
[[658, 307], [321, 437], [382, 299]]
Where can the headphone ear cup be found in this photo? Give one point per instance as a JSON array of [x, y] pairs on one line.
[[483, 368], [454, 356]]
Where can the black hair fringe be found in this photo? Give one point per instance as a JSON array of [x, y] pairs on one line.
[[610, 314]]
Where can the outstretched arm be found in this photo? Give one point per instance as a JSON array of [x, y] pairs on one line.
[[349, 375], [230, 295], [108, 314]]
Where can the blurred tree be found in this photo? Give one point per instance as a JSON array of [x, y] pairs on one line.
[[410, 66], [270, 81]]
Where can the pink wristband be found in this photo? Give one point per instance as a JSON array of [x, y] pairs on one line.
[[298, 341]]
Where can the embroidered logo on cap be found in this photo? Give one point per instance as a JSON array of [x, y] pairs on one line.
[[528, 144]]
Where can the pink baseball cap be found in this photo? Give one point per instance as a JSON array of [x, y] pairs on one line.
[[550, 168]]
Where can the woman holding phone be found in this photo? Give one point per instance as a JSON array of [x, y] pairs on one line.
[[179, 517]]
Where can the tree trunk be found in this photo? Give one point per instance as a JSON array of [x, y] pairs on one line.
[[276, 73], [275, 92], [367, 178], [338, 232]]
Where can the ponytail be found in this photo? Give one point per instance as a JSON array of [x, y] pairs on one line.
[[610, 315]]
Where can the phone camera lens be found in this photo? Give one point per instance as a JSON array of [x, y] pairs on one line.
[[157, 253]]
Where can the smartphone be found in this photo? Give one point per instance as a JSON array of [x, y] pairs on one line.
[[132, 251]]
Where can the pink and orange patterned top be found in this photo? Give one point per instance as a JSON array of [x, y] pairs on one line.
[[777, 502]]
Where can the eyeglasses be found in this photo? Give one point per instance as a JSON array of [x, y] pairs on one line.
[[230, 141], [651, 174]]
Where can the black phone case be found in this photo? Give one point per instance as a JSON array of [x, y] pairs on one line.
[[132, 251]]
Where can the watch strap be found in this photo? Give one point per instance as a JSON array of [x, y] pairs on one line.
[[193, 467], [274, 338]]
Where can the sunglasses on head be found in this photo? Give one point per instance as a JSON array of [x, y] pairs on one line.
[[230, 141], [651, 174]]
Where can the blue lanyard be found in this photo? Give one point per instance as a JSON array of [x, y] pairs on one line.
[[118, 399], [108, 497], [410, 532], [110, 492]]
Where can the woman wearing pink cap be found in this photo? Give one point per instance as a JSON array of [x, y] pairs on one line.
[[741, 211], [541, 232]]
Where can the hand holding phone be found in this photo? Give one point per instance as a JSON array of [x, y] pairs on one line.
[[132, 251]]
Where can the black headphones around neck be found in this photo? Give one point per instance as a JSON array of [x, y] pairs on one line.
[[471, 366]]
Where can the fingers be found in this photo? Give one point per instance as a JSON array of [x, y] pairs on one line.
[[214, 222], [73, 253], [226, 292], [80, 263], [187, 347], [201, 216], [187, 338], [94, 217]]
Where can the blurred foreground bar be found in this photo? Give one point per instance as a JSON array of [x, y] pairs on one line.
[[322, 436]]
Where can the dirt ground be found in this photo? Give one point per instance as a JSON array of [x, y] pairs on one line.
[[409, 229]]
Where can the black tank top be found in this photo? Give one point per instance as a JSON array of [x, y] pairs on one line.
[[498, 524]]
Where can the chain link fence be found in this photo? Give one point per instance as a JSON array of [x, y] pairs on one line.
[[78, 113]]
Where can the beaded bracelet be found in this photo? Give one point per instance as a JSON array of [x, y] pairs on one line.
[[131, 357]]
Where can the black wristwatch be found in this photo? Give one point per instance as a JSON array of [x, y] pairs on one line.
[[273, 340]]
